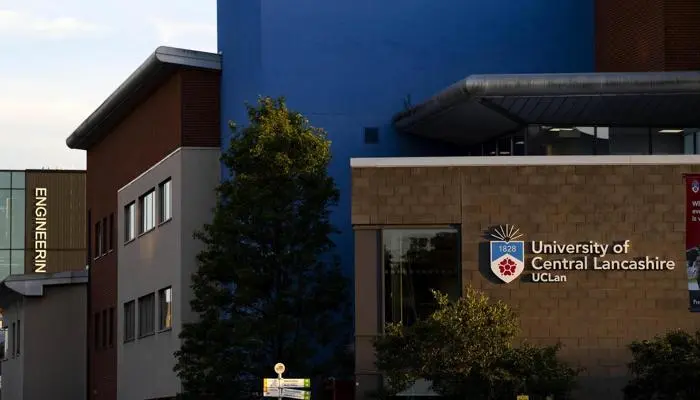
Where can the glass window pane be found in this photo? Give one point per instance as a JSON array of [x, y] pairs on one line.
[[415, 262], [17, 262], [689, 143], [670, 142], [560, 141], [165, 308], [4, 264], [148, 215], [519, 145], [18, 180], [505, 146], [5, 218], [629, 141], [5, 180], [17, 211]]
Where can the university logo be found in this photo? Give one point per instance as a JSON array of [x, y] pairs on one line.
[[507, 253], [695, 186]]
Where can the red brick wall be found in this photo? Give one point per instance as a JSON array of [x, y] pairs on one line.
[[182, 112], [682, 35], [647, 35], [595, 314], [629, 35]]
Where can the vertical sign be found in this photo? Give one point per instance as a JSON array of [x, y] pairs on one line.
[[40, 232], [692, 238]]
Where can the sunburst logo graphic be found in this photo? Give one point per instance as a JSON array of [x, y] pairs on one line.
[[507, 253]]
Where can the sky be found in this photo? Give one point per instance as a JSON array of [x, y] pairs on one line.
[[59, 60]]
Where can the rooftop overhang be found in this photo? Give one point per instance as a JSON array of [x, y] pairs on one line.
[[15, 287], [481, 107], [157, 68]]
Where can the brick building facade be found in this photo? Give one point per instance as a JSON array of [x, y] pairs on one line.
[[595, 314]]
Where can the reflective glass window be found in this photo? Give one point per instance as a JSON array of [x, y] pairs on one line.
[[689, 143], [18, 180], [5, 268], [148, 211], [17, 212], [5, 218], [17, 262], [5, 179], [417, 261]]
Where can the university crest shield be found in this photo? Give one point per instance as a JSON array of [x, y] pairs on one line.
[[507, 254]]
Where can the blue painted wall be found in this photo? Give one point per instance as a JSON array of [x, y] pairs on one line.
[[350, 64]]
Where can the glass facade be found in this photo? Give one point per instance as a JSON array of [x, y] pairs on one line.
[[12, 222], [416, 261], [590, 140]]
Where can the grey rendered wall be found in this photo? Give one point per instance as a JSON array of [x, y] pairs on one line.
[[160, 258], [54, 344], [12, 367]]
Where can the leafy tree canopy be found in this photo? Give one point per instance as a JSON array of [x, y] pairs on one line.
[[465, 349], [666, 367], [267, 288]]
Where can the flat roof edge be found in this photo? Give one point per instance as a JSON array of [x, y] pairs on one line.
[[160, 63], [509, 161]]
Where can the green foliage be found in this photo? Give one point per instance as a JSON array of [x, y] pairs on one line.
[[465, 349], [665, 368], [269, 241]]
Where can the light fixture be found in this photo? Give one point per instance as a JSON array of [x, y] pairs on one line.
[[560, 129], [671, 131], [520, 142], [504, 153]]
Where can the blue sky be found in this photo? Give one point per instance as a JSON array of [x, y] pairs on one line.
[[60, 59]]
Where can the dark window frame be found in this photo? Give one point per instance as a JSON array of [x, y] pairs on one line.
[[165, 314], [129, 321], [456, 229], [146, 306], [165, 188]]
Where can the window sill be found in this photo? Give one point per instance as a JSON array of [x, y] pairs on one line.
[[147, 232], [145, 335], [128, 340], [126, 242], [164, 330], [165, 222]]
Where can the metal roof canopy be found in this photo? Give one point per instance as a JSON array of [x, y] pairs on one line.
[[15, 287], [138, 86], [481, 107]]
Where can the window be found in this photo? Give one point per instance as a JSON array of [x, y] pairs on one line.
[[130, 222], [17, 212], [111, 326], [417, 261], [148, 211], [105, 232], [13, 338], [98, 239], [165, 309], [165, 201], [5, 218], [129, 321], [105, 327], [147, 309], [112, 229], [6, 349], [19, 336], [97, 330]]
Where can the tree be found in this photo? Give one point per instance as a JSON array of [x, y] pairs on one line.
[[465, 349], [268, 287], [666, 367]]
